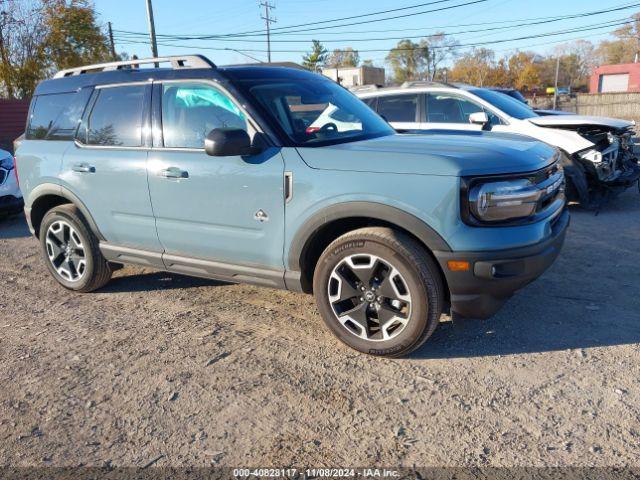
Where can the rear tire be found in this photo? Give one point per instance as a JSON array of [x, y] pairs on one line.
[[71, 250], [379, 291]]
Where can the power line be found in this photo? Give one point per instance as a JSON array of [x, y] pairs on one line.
[[475, 44], [526, 22], [263, 32]]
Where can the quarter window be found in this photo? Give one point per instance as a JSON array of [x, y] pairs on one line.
[[398, 108], [191, 110], [116, 118], [56, 116]]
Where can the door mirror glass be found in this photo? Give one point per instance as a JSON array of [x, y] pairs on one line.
[[228, 142], [479, 118]]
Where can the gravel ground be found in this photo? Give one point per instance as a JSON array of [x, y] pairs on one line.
[[178, 371]]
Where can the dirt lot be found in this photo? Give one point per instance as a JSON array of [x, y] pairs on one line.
[[181, 371]]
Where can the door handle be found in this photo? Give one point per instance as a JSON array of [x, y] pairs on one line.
[[83, 168], [173, 172]]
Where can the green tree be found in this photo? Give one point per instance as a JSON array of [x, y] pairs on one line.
[[74, 37], [408, 61], [314, 60], [38, 37], [22, 54], [346, 57]]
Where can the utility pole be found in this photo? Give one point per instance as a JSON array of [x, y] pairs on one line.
[[268, 20], [111, 44], [555, 90], [152, 30]]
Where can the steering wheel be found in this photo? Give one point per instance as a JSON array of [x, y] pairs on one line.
[[328, 127]]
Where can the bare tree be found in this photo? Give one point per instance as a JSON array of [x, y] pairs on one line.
[[440, 49]]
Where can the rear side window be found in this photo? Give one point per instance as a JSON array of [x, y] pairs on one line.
[[116, 117], [398, 108], [56, 116]]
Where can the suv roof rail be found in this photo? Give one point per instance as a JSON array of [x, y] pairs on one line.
[[176, 61], [363, 88], [425, 83]]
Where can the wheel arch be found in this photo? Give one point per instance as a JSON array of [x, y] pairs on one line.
[[47, 196], [328, 224]]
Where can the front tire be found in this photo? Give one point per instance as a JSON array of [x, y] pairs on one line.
[[70, 250], [379, 291]]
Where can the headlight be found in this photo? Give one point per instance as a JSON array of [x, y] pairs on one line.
[[498, 200], [6, 163], [592, 155]]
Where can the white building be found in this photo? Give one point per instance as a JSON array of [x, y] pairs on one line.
[[355, 76]]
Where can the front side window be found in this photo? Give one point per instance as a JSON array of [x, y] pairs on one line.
[[398, 108], [191, 110], [116, 117], [316, 112], [447, 108]]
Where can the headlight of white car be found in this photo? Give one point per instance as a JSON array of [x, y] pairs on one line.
[[592, 155], [6, 163]]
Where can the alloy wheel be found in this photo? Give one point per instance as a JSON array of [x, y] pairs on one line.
[[369, 297], [66, 251]]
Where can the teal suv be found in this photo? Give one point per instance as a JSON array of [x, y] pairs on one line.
[[280, 177]]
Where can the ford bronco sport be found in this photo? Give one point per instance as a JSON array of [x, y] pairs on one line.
[[214, 172]]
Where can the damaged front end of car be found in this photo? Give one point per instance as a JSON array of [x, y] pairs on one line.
[[604, 170]]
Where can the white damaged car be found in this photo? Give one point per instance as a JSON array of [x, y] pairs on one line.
[[10, 197], [598, 156]]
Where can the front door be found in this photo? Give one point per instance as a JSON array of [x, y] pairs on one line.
[[227, 210], [446, 111]]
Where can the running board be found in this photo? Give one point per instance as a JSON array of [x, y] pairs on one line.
[[194, 267]]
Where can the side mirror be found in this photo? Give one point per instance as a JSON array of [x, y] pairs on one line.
[[479, 118], [228, 142]]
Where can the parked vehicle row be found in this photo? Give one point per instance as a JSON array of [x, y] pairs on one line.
[[280, 177], [597, 153]]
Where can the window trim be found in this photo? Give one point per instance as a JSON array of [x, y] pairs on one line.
[[156, 117], [463, 96], [146, 120]]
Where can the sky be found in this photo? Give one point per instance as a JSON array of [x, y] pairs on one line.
[[509, 19]]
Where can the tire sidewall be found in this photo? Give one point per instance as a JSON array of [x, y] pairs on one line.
[[82, 231], [420, 305]]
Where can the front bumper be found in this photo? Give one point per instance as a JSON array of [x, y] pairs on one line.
[[10, 204], [495, 275]]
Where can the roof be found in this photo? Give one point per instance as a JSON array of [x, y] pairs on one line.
[[122, 72]]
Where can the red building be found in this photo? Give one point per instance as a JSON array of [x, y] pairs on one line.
[[13, 118], [624, 77]]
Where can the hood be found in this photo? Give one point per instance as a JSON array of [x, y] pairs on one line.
[[439, 153], [568, 121]]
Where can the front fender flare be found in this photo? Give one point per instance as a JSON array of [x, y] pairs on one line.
[[373, 210]]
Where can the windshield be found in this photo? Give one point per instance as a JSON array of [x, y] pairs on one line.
[[317, 112], [512, 107]]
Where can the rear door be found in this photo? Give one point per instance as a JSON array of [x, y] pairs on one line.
[[106, 168], [219, 209], [401, 111]]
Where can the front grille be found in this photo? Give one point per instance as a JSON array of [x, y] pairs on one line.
[[551, 181]]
